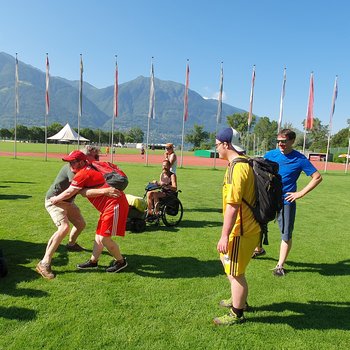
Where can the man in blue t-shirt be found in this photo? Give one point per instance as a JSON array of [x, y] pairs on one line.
[[291, 164]]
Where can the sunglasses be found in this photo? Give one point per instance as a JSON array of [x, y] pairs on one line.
[[282, 141]]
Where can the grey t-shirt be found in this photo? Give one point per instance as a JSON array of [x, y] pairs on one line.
[[61, 183]]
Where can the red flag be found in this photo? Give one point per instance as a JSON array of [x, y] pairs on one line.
[[116, 90], [47, 100], [186, 93], [250, 115], [310, 107]]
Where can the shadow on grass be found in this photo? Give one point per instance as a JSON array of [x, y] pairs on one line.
[[18, 254], [172, 267], [14, 196], [341, 268], [312, 315], [205, 210], [17, 313]]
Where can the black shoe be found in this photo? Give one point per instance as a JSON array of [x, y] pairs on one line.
[[74, 247], [87, 265], [117, 266]]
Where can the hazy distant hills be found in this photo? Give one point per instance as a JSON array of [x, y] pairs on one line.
[[98, 103]]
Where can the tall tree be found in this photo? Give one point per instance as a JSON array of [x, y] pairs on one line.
[[197, 136], [266, 131]]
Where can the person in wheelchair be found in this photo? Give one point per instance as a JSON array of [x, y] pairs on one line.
[[167, 185]]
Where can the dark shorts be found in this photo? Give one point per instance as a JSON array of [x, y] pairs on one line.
[[286, 220]]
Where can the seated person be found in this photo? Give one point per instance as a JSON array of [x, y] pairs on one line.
[[168, 184]]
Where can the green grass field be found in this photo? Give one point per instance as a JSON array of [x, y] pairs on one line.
[[168, 295]]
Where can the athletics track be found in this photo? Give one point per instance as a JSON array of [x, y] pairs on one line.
[[157, 159]]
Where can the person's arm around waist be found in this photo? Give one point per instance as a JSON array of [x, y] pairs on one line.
[[316, 178]]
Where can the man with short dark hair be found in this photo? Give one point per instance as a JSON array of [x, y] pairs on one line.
[[291, 164], [240, 231]]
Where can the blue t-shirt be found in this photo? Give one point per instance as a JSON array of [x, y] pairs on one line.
[[290, 167]]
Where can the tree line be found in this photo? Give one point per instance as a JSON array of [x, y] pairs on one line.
[[37, 134], [263, 133]]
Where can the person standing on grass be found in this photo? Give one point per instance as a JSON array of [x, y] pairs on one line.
[[114, 209], [291, 164], [171, 157], [240, 231]]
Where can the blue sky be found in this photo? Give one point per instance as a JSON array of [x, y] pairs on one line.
[[301, 35]]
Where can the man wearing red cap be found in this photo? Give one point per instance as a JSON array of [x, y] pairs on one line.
[[240, 231], [113, 212]]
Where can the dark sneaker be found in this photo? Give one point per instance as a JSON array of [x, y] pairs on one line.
[[257, 253], [45, 270], [74, 247], [229, 319], [117, 266], [87, 265], [278, 271], [227, 303]]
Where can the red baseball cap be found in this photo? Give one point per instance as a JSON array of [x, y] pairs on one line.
[[74, 155]]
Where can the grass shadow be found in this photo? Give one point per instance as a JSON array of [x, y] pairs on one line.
[[341, 268], [14, 196], [311, 315], [17, 313], [172, 267]]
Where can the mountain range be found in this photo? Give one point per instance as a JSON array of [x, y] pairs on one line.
[[133, 103]]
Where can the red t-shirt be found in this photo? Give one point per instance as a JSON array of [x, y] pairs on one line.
[[91, 178]]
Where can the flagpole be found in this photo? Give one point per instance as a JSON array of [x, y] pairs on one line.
[[80, 96], [185, 114], [250, 115], [334, 97], [151, 110], [47, 101], [348, 155], [219, 111], [16, 106], [115, 106]]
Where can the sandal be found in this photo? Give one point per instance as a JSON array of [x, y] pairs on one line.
[[259, 252]]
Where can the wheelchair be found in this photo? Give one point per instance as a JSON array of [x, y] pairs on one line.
[[170, 208]]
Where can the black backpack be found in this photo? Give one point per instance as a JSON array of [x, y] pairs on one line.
[[268, 191]]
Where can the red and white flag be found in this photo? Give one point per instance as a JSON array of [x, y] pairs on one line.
[[309, 121], [283, 92], [47, 100], [250, 115], [219, 112], [151, 111], [115, 109], [185, 116], [16, 87]]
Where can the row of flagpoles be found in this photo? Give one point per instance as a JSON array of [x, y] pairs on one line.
[[151, 112]]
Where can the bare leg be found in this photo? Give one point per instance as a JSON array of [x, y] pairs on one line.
[[112, 247], [284, 251], [239, 291], [78, 226], [97, 250], [55, 241]]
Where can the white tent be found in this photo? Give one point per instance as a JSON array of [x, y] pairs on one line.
[[67, 134]]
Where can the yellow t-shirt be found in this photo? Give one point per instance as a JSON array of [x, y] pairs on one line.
[[238, 184]]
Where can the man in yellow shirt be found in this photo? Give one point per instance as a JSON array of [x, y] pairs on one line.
[[240, 231]]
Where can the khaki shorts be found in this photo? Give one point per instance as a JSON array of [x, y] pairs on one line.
[[240, 251], [63, 211]]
